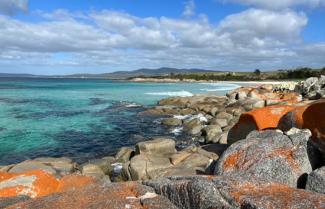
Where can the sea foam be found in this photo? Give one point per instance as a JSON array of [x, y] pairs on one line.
[[171, 93]]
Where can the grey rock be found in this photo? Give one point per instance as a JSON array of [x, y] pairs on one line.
[[222, 122], [316, 180], [62, 165], [201, 192], [224, 115], [94, 170], [124, 154], [5, 202], [103, 164], [211, 132], [157, 146], [31, 165], [171, 122], [141, 166], [269, 155]]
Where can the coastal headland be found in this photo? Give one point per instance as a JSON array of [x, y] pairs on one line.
[[260, 146]]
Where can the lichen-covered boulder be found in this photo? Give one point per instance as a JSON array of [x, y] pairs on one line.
[[307, 116], [200, 192], [259, 119], [122, 195], [310, 116], [316, 180], [34, 183], [270, 155]]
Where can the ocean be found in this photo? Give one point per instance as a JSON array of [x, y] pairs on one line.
[[82, 118]]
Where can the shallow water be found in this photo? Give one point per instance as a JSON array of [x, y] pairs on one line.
[[80, 118]]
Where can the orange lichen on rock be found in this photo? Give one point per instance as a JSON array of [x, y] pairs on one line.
[[277, 195], [312, 117], [258, 119], [33, 183], [232, 161], [73, 182], [268, 117], [122, 195]]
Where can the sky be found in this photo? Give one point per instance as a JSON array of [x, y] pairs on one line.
[[97, 36]]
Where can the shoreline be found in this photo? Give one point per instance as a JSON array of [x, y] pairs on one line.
[[153, 80], [243, 138]]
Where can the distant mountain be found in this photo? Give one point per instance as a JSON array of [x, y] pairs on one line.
[[116, 75], [13, 75], [140, 72]]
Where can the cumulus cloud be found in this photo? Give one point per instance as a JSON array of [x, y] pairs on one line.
[[189, 9], [119, 41], [10, 7], [280, 4]]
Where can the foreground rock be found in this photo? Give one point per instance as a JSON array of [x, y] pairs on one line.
[[56, 166], [38, 183], [34, 183], [272, 156], [123, 195], [227, 192], [158, 158], [316, 180]]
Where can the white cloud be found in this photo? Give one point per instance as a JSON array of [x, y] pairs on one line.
[[280, 4], [9, 7], [189, 9], [259, 25], [111, 40]]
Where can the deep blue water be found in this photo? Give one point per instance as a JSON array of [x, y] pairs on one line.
[[80, 118]]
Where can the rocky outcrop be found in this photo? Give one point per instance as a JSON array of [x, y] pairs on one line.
[[308, 116], [198, 192], [271, 156], [34, 183], [123, 195], [316, 180], [259, 119], [312, 88], [158, 158], [56, 166], [38, 183], [194, 113]]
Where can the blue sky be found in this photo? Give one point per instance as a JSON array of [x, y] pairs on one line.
[[77, 36]]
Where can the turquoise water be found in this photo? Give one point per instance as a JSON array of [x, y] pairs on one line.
[[80, 118]]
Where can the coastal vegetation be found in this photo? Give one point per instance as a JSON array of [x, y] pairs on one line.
[[256, 75]]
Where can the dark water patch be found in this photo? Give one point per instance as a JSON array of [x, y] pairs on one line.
[[97, 101], [14, 101], [118, 126], [38, 102], [99, 140], [10, 87], [42, 115], [2, 129]]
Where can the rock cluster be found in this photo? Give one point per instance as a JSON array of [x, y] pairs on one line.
[[312, 88], [209, 118], [271, 154], [229, 192]]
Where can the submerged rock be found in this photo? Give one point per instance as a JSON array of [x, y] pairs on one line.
[[171, 122]]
